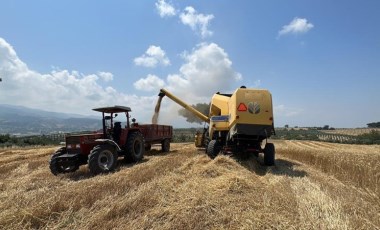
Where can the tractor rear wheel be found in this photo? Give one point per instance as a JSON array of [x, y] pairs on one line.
[[165, 145], [213, 149], [135, 147], [269, 154], [102, 159], [58, 165]]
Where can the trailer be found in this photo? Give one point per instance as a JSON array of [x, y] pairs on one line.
[[157, 134]]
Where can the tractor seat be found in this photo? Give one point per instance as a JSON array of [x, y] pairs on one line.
[[116, 132]]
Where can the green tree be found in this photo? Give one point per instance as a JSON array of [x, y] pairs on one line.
[[374, 125], [4, 138]]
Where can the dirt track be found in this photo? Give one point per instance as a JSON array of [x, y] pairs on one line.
[[186, 190]]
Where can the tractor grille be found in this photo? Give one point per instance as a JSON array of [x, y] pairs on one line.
[[72, 140]]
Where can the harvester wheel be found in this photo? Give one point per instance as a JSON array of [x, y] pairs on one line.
[[165, 145], [102, 159], [135, 147], [213, 149], [205, 144], [57, 165], [269, 154]]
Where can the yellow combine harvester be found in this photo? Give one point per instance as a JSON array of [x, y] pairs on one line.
[[238, 123]]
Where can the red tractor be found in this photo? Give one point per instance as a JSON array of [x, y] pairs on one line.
[[100, 150]]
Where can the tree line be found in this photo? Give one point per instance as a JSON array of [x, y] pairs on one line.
[[374, 125], [188, 135], [6, 140], [373, 137]]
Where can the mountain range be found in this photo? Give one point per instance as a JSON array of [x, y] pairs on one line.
[[20, 120]]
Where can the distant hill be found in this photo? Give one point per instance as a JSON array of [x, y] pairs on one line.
[[19, 120]]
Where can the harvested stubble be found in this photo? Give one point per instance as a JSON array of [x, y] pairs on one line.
[[180, 190]]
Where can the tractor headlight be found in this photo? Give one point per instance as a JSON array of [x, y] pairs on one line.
[[73, 146]]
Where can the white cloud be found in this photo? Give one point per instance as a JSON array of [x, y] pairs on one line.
[[197, 22], [165, 9], [176, 82], [207, 70], [152, 57], [284, 111], [62, 90], [106, 76], [257, 84], [150, 83], [296, 26]]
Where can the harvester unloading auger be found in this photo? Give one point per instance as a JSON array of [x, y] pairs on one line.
[[238, 123]]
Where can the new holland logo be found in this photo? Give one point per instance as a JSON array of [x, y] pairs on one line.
[[254, 107]]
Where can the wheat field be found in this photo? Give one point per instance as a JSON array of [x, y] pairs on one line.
[[314, 185]]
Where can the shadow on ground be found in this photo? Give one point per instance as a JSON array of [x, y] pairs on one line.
[[158, 152], [84, 173], [281, 167]]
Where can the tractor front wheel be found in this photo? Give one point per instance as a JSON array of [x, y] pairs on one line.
[[59, 165], [102, 159]]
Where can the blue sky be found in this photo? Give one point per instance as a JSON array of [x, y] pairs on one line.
[[319, 59]]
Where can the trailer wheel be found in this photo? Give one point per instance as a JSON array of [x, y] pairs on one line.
[[57, 165], [102, 159], [135, 147], [148, 147], [213, 149], [269, 154], [165, 145]]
